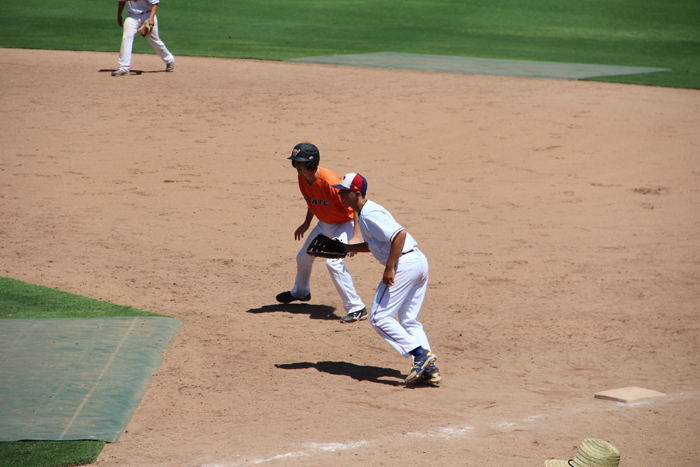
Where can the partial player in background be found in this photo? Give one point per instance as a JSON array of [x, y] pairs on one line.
[[140, 11], [404, 282], [334, 221]]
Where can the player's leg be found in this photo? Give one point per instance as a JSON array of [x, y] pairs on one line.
[[305, 262], [386, 304], [341, 278], [129, 32], [413, 272], [160, 47]]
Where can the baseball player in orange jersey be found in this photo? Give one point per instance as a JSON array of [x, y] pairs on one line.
[[334, 221]]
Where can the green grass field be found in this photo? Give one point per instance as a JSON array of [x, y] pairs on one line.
[[649, 33], [20, 300]]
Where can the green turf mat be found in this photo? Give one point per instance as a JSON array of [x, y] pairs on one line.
[[478, 66], [72, 379]]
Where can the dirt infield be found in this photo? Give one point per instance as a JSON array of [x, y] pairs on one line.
[[561, 220]]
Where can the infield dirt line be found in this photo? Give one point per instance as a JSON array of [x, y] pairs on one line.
[[447, 434]]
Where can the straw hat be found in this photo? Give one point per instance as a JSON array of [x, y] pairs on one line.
[[592, 453]]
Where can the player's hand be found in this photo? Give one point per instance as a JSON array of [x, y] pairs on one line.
[[120, 21], [389, 275], [151, 22], [299, 232]]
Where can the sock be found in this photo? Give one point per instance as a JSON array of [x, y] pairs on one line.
[[417, 352]]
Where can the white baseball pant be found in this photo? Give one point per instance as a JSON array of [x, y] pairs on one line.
[[131, 26], [404, 298]]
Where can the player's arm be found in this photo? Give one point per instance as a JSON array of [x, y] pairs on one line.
[[357, 248], [394, 255], [151, 19], [120, 10], [356, 235], [356, 244], [301, 230]]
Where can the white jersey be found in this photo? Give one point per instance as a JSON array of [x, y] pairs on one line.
[[379, 229], [140, 7]]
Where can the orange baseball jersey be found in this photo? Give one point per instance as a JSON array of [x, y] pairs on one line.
[[323, 200]]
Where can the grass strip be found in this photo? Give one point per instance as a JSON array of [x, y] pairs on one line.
[[49, 453], [20, 300]]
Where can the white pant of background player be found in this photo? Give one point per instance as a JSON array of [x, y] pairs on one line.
[[131, 26], [404, 299], [336, 267]]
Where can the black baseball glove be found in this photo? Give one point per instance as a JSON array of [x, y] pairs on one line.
[[325, 247]]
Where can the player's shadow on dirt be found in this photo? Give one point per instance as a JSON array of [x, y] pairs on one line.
[[132, 72], [358, 372], [314, 311]]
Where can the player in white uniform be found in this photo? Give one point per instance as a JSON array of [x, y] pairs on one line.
[[138, 12], [403, 285]]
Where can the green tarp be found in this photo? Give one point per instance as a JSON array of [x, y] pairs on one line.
[[70, 379]]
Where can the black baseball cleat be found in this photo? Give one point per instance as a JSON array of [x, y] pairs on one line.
[[354, 316], [287, 297]]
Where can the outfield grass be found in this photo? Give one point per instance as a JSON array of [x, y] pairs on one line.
[[20, 300], [49, 453], [647, 33]]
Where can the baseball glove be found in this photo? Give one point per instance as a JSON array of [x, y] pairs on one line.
[[325, 247], [144, 29]]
